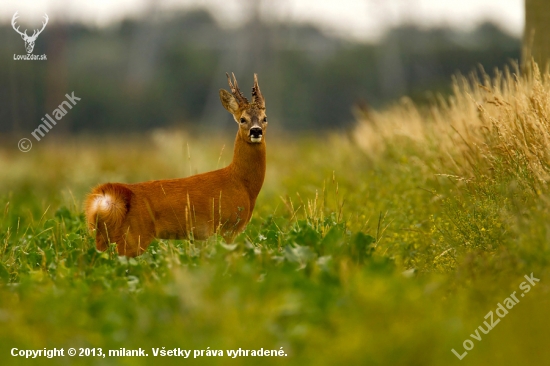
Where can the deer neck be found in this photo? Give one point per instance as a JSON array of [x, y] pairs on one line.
[[248, 165]]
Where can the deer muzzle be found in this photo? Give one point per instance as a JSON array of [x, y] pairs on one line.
[[256, 134]]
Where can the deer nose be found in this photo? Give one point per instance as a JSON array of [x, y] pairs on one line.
[[255, 132]]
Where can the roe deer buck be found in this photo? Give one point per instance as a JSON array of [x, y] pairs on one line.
[[132, 215]]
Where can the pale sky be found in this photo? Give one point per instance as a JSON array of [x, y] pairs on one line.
[[359, 19]]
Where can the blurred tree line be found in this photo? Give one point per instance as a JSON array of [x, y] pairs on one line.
[[166, 70]]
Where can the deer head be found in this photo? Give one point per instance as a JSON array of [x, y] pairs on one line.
[[29, 41], [251, 117]]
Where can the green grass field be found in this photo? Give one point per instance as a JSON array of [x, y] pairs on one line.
[[388, 245]]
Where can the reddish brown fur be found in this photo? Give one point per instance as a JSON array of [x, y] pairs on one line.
[[132, 215]]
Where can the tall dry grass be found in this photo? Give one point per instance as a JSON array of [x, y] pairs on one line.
[[486, 150], [489, 126]]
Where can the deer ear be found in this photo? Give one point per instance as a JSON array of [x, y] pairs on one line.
[[229, 102]]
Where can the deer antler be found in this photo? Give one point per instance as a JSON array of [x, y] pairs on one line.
[[241, 99], [257, 96], [13, 19], [34, 36]]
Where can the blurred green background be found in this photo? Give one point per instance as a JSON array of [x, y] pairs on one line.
[[165, 69]]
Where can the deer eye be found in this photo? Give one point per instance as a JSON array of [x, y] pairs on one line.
[[265, 119], [243, 120]]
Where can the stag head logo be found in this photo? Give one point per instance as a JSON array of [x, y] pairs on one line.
[[29, 41]]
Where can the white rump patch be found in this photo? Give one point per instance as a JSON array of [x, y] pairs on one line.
[[103, 203]]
